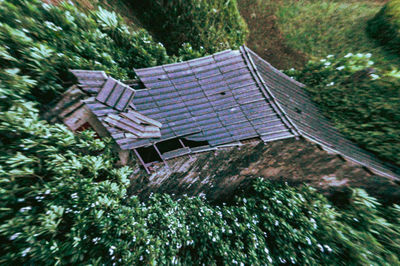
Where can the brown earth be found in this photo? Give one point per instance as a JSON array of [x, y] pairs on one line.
[[265, 37]]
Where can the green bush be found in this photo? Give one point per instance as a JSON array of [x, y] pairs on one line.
[[63, 201], [362, 101], [385, 26], [45, 41], [210, 24]]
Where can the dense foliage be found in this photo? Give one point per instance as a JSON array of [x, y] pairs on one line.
[[212, 25], [45, 41], [362, 101], [63, 200], [385, 26]]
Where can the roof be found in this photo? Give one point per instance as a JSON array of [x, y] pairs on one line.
[[215, 98], [112, 105], [309, 120], [222, 98]]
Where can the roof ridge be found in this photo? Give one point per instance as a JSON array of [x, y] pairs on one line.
[[268, 94]]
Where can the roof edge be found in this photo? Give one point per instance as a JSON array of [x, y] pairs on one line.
[[266, 91]]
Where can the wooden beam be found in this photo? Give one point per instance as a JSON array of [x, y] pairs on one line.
[[183, 145], [159, 153], [141, 161]]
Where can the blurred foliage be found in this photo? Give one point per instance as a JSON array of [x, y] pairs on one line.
[[212, 25], [64, 202], [45, 41], [385, 26], [362, 100], [323, 27]]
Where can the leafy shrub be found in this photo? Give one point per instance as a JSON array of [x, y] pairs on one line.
[[45, 41], [210, 24], [362, 101], [63, 201], [385, 26]]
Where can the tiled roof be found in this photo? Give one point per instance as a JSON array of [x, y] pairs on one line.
[[216, 94], [222, 98], [111, 103], [310, 122]]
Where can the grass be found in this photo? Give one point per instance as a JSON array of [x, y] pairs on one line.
[[319, 28], [287, 33]]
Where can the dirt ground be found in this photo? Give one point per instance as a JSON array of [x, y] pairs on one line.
[[265, 37]]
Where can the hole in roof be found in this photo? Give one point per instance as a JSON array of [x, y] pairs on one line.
[[149, 154], [298, 110], [169, 145], [159, 78], [194, 144], [222, 93]]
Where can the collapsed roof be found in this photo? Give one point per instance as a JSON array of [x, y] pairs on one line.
[[222, 98]]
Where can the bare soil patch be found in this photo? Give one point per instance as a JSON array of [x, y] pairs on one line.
[[265, 37]]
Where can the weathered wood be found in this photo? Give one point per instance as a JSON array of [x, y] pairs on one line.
[[137, 130], [76, 119], [127, 122], [70, 109], [115, 95], [175, 153], [106, 90], [145, 119], [97, 125], [141, 161], [159, 154], [122, 126], [125, 99]]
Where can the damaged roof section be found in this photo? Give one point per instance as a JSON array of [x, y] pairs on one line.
[[217, 94], [219, 99], [112, 105]]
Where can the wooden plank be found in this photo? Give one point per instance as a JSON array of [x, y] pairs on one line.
[[151, 129], [106, 90], [70, 109], [125, 99], [122, 126], [115, 94], [127, 122], [159, 154], [175, 153], [141, 161], [141, 117], [76, 119], [89, 74]]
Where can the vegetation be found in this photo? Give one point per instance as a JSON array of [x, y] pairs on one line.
[[362, 101], [385, 26], [43, 41], [63, 200], [315, 29], [212, 25]]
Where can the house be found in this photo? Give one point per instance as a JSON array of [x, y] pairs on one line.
[[207, 103]]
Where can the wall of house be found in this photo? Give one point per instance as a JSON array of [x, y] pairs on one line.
[[219, 174]]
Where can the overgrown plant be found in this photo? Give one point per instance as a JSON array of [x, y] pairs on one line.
[[385, 26], [361, 99], [212, 25], [63, 201], [45, 41]]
